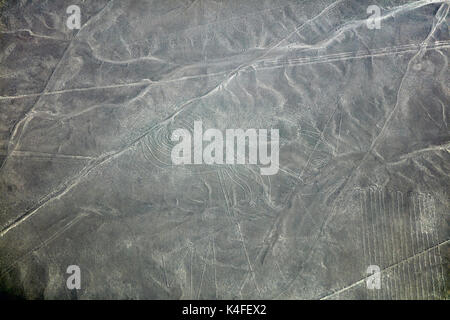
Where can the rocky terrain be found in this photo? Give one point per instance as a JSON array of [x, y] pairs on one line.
[[86, 176]]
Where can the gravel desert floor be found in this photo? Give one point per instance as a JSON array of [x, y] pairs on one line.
[[93, 205]]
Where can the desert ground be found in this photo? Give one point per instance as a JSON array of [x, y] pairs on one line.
[[86, 176]]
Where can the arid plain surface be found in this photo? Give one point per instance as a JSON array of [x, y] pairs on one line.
[[86, 176]]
